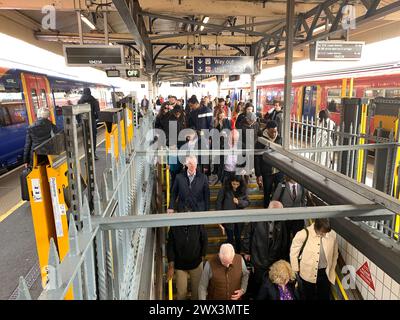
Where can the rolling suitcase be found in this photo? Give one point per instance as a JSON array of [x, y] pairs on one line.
[[24, 184]]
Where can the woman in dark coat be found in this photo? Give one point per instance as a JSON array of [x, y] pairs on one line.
[[279, 283], [233, 196], [162, 121], [223, 125]]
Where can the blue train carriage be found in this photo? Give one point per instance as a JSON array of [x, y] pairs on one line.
[[22, 93], [13, 119]]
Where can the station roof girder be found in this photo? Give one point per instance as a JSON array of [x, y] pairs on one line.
[[235, 40]]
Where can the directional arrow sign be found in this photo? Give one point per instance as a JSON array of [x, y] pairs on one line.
[[229, 65]]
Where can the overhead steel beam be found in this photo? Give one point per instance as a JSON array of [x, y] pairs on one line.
[[224, 8], [320, 180], [128, 10], [307, 23], [235, 216], [209, 26]]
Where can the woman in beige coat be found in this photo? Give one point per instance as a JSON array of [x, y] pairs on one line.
[[314, 255]]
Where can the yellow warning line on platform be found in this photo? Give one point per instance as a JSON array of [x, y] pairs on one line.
[[11, 211]]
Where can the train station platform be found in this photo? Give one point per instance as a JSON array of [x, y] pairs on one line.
[[18, 256]]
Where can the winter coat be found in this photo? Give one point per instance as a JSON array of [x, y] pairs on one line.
[[191, 197], [225, 201], [201, 119], [186, 246], [310, 257], [276, 116], [162, 123], [270, 291], [36, 134], [262, 167], [263, 250], [94, 106]]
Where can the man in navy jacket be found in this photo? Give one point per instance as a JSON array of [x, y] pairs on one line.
[[190, 189]]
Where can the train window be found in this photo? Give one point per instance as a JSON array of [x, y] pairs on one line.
[[12, 108], [43, 97], [35, 101], [392, 93], [373, 93]]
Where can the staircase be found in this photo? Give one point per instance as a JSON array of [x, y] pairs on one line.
[[215, 237]]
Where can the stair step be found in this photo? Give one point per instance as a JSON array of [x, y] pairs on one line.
[[219, 186]]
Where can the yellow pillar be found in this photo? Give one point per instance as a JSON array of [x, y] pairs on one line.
[[364, 119], [344, 88], [351, 87], [396, 178]]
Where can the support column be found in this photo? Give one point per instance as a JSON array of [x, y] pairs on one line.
[[219, 86], [151, 92], [288, 71], [253, 91]]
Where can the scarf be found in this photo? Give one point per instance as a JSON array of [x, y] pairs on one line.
[[266, 135]]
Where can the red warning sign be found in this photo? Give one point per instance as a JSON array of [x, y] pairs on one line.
[[365, 274]]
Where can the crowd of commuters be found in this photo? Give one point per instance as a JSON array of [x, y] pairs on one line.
[[275, 260], [271, 260]]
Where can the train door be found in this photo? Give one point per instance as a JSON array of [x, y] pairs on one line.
[[37, 95], [309, 102]]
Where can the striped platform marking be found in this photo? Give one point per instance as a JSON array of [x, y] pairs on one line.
[[11, 211], [30, 278]]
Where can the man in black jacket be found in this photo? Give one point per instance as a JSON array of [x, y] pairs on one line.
[[263, 244], [276, 114], [268, 177], [37, 133], [186, 250], [94, 109], [190, 189]]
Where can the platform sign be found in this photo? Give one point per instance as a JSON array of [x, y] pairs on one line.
[[95, 55], [189, 64], [234, 78], [336, 50], [235, 65], [133, 73], [112, 73], [365, 274]]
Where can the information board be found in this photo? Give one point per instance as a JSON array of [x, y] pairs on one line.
[[235, 65], [95, 55], [336, 50]]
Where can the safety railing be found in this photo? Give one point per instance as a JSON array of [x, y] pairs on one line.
[[106, 264], [373, 160]]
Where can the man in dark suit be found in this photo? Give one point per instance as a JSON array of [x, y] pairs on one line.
[[292, 195]]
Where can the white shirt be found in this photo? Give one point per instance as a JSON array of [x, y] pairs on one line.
[[291, 188], [231, 161]]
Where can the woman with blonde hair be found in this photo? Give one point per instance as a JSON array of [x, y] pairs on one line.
[[279, 283]]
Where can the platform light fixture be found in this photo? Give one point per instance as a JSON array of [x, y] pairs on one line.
[[88, 22], [205, 20]]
